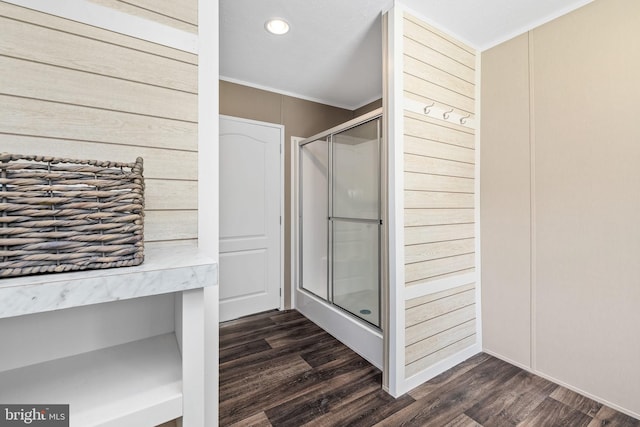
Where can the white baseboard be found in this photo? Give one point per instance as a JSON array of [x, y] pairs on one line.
[[435, 370]]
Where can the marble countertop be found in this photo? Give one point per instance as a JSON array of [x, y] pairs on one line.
[[165, 269]]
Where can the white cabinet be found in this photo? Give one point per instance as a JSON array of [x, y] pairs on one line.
[[143, 382]]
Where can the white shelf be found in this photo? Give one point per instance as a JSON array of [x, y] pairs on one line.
[[136, 384], [165, 269]]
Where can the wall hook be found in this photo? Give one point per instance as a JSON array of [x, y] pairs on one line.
[[463, 120], [427, 109], [445, 115]]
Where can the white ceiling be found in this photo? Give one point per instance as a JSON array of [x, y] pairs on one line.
[[333, 52]]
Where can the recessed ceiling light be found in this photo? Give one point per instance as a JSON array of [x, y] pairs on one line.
[[277, 26]]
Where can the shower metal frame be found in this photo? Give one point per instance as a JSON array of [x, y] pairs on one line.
[[328, 137]]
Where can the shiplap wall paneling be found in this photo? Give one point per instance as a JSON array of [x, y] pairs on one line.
[[437, 68], [438, 233], [48, 45], [95, 91], [423, 217], [438, 325], [445, 132], [415, 163], [439, 196], [159, 163], [418, 145], [452, 265], [180, 14], [82, 92], [439, 158], [50, 21], [434, 39]]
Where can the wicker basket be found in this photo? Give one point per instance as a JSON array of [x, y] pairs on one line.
[[63, 215]]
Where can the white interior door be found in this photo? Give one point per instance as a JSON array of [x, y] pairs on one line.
[[250, 224]]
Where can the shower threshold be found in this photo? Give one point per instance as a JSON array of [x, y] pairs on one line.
[[354, 332]]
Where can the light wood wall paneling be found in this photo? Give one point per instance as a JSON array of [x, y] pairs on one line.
[[25, 41], [170, 225], [423, 91], [422, 126], [427, 55], [436, 166], [433, 327], [172, 243], [436, 342], [414, 302], [427, 182], [184, 10], [438, 200], [432, 358], [456, 299], [161, 194], [439, 184], [428, 270], [437, 40], [157, 12], [438, 233], [158, 163], [430, 251], [52, 83], [24, 116], [426, 147], [86, 92], [453, 274], [420, 217], [441, 78], [60, 24]]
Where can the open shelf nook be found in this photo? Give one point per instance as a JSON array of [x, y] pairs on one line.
[[140, 382]]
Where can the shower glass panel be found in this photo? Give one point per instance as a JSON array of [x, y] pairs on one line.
[[356, 172], [355, 268], [314, 201], [355, 220]]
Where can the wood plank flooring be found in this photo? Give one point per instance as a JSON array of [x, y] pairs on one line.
[[280, 369]]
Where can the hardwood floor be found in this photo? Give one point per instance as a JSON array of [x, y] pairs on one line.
[[280, 369]]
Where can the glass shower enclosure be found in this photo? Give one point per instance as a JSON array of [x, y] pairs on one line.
[[340, 219]]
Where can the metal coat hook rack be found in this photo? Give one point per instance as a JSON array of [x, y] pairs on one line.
[[440, 112]]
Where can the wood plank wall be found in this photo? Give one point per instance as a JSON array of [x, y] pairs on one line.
[[73, 90], [180, 14], [439, 171]]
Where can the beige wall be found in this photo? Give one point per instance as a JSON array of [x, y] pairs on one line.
[[582, 300], [505, 201], [374, 105], [300, 118]]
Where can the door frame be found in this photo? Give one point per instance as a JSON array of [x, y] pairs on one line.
[[280, 187], [293, 155]]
